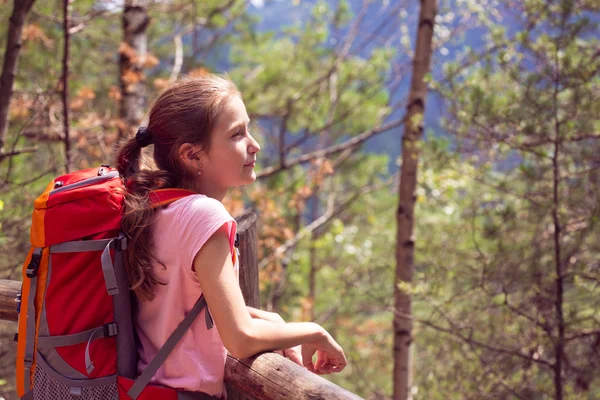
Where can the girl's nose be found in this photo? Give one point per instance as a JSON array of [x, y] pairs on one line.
[[254, 146]]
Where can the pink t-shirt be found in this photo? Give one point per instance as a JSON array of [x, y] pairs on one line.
[[198, 361]]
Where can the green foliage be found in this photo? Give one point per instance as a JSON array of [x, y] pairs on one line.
[[298, 60], [494, 296]]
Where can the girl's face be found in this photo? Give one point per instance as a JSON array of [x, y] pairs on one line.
[[230, 159]]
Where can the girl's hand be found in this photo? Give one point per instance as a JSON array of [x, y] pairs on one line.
[[293, 353], [330, 356]]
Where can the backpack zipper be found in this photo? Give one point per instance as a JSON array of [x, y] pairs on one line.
[[86, 182]]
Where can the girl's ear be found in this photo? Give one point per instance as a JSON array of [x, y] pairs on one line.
[[189, 155]]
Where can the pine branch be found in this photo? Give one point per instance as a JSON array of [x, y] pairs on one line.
[[12, 153], [351, 143], [473, 342]]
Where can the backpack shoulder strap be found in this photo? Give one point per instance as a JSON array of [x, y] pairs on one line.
[[162, 197], [142, 381]]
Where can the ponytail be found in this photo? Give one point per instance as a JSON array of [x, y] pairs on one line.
[[139, 216]]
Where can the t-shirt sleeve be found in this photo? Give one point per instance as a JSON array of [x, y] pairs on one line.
[[200, 218]]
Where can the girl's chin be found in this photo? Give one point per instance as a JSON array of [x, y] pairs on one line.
[[248, 179]]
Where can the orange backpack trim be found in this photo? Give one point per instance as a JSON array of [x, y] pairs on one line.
[[37, 237], [22, 328]]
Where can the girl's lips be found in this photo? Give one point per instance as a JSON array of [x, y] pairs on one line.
[[250, 165]]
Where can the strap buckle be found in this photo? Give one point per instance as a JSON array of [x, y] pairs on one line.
[[121, 243], [34, 265], [111, 329]]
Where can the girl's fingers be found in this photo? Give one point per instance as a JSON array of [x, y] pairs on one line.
[[329, 367], [307, 354], [323, 361], [319, 364], [294, 356], [324, 364]]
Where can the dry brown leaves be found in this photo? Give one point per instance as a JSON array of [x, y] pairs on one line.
[[84, 95], [33, 33]]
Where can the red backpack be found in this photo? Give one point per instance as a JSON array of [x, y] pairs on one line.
[[75, 332]]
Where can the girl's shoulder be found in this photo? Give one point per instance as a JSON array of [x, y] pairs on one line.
[[200, 206]]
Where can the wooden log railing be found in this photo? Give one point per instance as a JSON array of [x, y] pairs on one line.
[[266, 376]]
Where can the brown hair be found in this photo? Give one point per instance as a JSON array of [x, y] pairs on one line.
[[184, 113]]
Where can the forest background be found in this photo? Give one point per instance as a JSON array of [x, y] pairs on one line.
[[505, 282]]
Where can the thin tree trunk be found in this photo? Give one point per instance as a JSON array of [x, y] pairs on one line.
[[13, 46], [559, 348], [413, 130], [132, 57], [312, 277], [65, 82]]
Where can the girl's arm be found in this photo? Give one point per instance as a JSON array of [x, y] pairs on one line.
[[266, 315], [242, 335]]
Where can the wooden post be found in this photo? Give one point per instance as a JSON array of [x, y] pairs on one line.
[[8, 294], [248, 259], [246, 229]]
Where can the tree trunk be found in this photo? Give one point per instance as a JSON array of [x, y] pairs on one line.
[[13, 46], [312, 277], [65, 82], [413, 131], [132, 58], [559, 347]]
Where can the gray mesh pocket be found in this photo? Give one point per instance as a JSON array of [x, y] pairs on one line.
[[50, 385]]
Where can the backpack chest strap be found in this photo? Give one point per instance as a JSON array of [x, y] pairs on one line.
[[108, 330], [89, 245]]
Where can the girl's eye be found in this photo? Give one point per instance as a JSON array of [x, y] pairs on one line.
[[241, 133]]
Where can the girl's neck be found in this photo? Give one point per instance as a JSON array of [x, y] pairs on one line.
[[205, 188]]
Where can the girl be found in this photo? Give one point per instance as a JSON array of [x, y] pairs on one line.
[[199, 129]]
